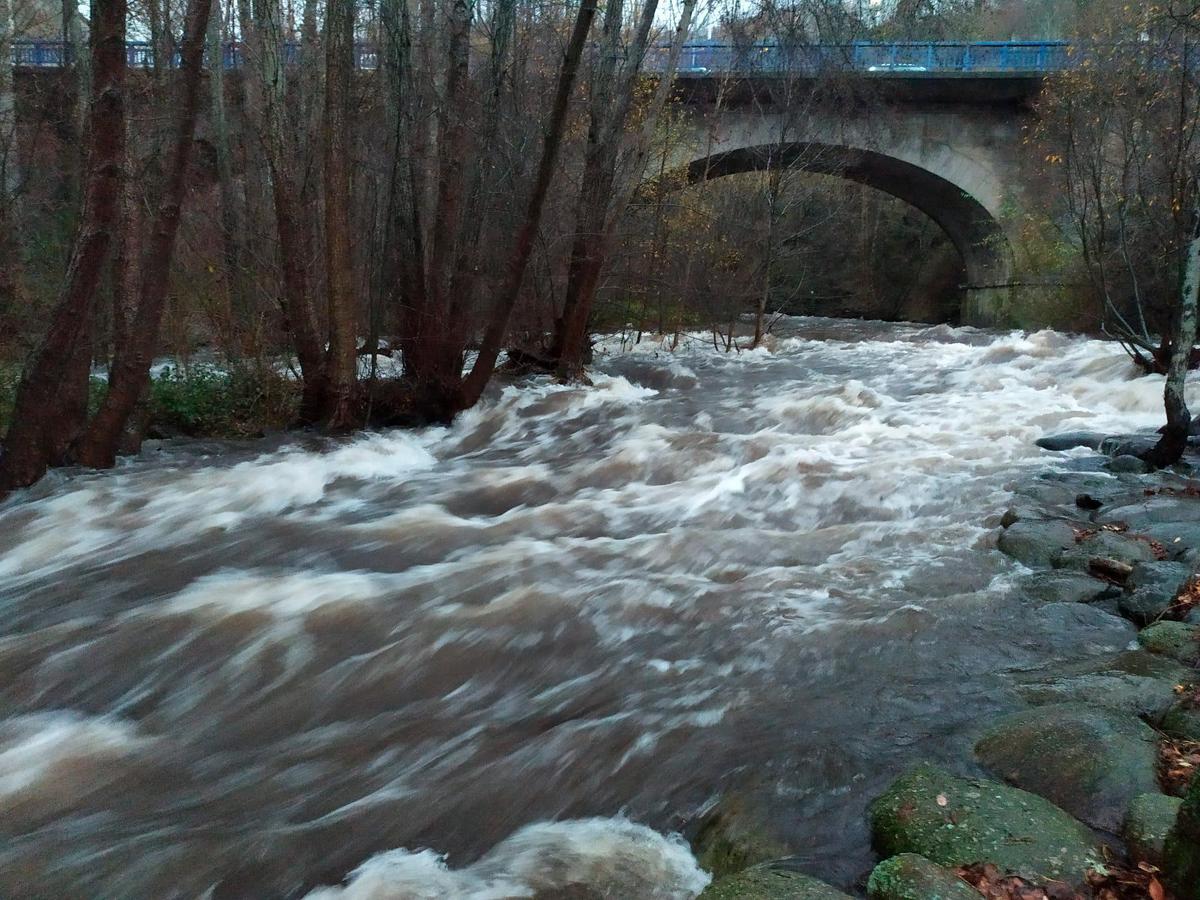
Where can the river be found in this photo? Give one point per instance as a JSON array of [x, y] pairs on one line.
[[244, 671]]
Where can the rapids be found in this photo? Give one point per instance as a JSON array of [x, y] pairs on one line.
[[487, 659]]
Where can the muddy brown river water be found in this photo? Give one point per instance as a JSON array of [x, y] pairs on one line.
[[524, 650]]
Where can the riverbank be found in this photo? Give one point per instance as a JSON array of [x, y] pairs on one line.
[[1084, 787]]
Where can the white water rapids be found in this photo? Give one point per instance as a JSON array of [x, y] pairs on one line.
[[487, 660]]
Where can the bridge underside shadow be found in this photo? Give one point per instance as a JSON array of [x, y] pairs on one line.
[[986, 253]]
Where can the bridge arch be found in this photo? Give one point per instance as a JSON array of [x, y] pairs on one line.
[[975, 233]]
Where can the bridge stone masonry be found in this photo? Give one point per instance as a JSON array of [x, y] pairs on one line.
[[950, 145], [937, 125]]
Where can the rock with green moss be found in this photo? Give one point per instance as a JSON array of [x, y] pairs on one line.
[[1176, 640], [1089, 761], [770, 882], [733, 837], [912, 877], [1150, 819], [1182, 854], [959, 821], [1182, 720]]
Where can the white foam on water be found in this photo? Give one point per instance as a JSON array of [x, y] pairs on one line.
[[123, 512], [613, 856], [50, 760]]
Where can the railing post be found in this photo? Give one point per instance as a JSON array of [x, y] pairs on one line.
[[930, 62], [966, 58]]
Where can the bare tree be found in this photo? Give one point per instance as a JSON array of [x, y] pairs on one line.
[[342, 361], [51, 404], [130, 371]]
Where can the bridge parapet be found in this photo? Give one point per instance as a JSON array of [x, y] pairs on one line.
[[704, 58]]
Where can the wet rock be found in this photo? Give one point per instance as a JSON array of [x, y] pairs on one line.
[[959, 821], [732, 837], [1154, 588], [1126, 463], [1135, 682], [1089, 761], [770, 882], [1090, 628], [1182, 851], [1182, 721], [1145, 606], [1127, 444], [1069, 440], [1036, 544], [1140, 513], [912, 877], [1176, 640], [1150, 819], [1065, 587], [1105, 545], [1164, 575]]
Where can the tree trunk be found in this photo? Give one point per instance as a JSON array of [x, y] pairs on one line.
[[52, 398], [265, 40], [130, 372], [231, 223], [593, 246], [10, 251], [342, 362], [497, 328], [438, 348], [1174, 438]]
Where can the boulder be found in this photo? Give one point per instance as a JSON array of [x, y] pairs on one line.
[[1069, 440], [1150, 819], [955, 821], [912, 877], [1105, 545], [1089, 761], [1165, 575], [1134, 682], [1182, 851], [1182, 721], [733, 837], [1036, 543], [1083, 627], [1127, 463], [1127, 444], [770, 882], [1175, 640], [1065, 587]]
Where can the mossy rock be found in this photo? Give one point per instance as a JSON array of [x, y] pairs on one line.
[[1089, 761], [959, 821], [1182, 853], [770, 882], [1176, 640], [1182, 721], [1150, 819], [732, 838], [912, 877]]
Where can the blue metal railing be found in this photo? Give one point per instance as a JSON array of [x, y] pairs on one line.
[[941, 57], [701, 58]]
